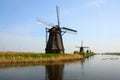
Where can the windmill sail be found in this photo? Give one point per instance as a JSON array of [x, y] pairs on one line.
[[68, 29], [82, 47], [54, 43], [58, 20], [44, 23]]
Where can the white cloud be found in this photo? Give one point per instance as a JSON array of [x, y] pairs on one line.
[[95, 3]]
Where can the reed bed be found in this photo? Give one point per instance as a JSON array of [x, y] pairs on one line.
[[22, 57]]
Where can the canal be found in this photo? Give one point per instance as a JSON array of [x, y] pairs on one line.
[[98, 67]]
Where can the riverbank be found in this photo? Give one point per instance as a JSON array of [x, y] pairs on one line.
[[22, 57]]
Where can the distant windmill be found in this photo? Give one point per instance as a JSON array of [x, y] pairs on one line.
[[54, 44], [82, 47]]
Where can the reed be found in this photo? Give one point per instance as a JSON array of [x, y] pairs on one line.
[[22, 57]]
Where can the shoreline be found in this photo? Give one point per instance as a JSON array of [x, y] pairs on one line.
[[5, 65], [24, 58]]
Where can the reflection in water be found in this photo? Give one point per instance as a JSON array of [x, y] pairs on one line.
[[93, 68], [54, 72]]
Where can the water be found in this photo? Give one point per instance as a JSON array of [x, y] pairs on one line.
[[99, 67]]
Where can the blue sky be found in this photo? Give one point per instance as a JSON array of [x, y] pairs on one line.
[[97, 23]]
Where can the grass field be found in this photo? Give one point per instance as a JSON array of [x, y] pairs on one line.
[[26, 57]]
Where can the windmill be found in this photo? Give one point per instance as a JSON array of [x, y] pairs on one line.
[[54, 43], [82, 47]]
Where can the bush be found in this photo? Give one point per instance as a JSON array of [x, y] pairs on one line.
[[75, 52]]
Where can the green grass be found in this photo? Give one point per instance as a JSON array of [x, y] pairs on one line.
[[22, 57], [32, 55], [85, 54], [27, 55]]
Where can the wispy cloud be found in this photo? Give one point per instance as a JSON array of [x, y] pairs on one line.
[[96, 3]]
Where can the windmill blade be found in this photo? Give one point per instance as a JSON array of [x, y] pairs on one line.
[[81, 43], [44, 23], [78, 47], [85, 47], [57, 11], [68, 29]]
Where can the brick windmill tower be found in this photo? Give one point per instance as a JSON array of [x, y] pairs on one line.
[[54, 43]]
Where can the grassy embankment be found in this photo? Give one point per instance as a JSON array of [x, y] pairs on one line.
[[84, 54], [21, 57]]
